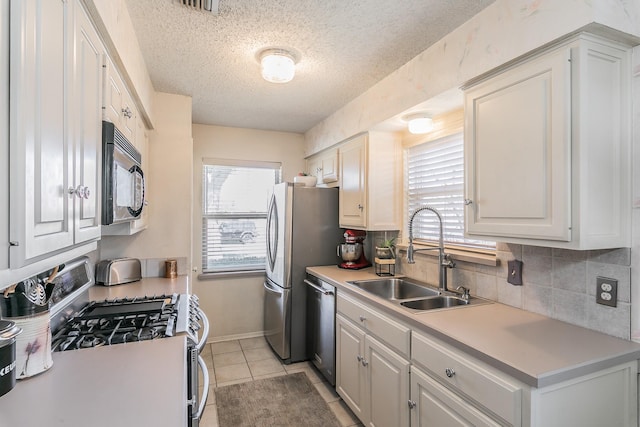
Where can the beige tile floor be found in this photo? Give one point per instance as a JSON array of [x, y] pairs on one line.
[[237, 361]]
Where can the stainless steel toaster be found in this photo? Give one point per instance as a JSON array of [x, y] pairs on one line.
[[118, 271]]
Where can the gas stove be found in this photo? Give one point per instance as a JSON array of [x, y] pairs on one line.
[[80, 324], [126, 320]]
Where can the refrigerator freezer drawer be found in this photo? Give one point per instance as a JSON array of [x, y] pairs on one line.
[[277, 318]]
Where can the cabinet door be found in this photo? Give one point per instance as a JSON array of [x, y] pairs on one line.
[[436, 406], [329, 167], [350, 374], [388, 385], [40, 151], [88, 127], [353, 200], [518, 151], [118, 105]]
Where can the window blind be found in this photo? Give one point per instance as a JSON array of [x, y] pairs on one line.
[[234, 211], [435, 177]]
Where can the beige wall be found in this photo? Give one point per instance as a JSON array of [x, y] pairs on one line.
[[234, 305], [169, 176]]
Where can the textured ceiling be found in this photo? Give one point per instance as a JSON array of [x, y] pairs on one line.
[[344, 47]]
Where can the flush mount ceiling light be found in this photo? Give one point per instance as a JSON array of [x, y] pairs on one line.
[[277, 65], [419, 122]]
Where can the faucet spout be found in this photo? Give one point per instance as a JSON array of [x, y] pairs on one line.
[[443, 259]]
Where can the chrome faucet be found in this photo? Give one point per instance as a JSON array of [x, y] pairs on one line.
[[444, 261]]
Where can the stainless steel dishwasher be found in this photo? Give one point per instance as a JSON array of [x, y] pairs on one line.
[[321, 326]]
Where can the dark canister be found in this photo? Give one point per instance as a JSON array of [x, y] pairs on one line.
[[8, 333]]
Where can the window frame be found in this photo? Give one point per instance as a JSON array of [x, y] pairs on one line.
[[473, 252], [206, 273]]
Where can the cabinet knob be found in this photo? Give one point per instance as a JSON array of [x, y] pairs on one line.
[[411, 404], [364, 362], [77, 191], [449, 372], [87, 193], [362, 318], [127, 112], [360, 206], [359, 358], [467, 202]]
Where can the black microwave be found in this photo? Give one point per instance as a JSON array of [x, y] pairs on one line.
[[122, 177]]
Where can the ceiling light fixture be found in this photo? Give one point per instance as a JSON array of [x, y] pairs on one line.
[[419, 122], [277, 65]]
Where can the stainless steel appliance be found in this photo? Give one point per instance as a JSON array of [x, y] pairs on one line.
[[321, 326], [118, 271], [302, 230], [352, 251], [79, 324], [122, 178]]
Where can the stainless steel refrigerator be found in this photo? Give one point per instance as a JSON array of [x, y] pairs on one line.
[[302, 230]]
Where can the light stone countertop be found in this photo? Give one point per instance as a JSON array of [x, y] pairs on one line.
[[532, 348], [133, 384], [148, 286]]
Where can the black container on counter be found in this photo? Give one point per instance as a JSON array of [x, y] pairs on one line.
[[8, 333]]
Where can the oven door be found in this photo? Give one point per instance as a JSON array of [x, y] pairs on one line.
[[196, 404]]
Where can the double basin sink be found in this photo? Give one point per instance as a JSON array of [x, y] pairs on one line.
[[414, 295]]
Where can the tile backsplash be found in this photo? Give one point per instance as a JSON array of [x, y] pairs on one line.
[[557, 283]]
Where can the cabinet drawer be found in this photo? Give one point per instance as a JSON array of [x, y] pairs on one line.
[[493, 390], [438, 406], [383, 327]]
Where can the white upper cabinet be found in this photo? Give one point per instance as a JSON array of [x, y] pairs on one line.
[[547, 148], [118, 104], [370, 182], [87, 121], [54, 130]]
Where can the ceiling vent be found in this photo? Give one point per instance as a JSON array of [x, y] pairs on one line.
[[201, 5]]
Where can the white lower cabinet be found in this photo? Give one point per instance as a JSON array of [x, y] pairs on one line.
[[451, 388], [391, 375], [371, 377], [434, 405]]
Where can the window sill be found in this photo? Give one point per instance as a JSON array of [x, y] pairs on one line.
[[230, 274], [484, 257]]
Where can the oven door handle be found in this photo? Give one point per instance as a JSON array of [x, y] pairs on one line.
[[205, 330], [195, 418]]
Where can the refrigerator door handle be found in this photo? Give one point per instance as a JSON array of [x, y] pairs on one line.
[[271, 289], [272, 235]]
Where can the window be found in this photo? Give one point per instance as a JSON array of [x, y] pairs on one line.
[[234, 214], [435, 177]]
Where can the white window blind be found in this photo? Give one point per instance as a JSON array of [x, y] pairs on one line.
[[234, 212], [435, 178]]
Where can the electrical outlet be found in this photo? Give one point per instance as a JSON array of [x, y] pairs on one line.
[[606, 291]]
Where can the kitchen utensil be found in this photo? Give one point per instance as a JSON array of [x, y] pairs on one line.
[[8, 333], [35, 293]]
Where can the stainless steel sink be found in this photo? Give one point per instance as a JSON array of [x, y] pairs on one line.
[[413, 295], [396, 288], [441, 301]]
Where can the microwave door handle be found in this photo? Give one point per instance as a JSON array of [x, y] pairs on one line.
[[205, 330], [137, 210], [195, 418]]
